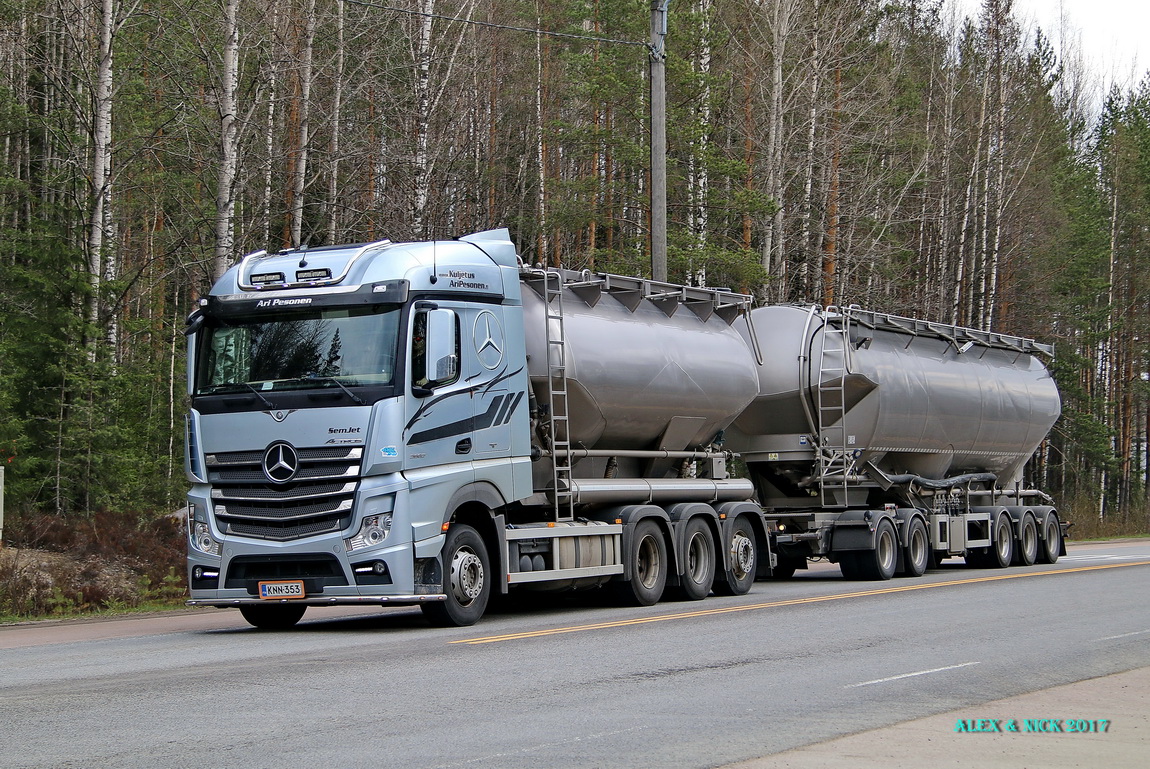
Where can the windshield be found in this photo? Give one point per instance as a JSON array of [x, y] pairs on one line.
[[352, 346]]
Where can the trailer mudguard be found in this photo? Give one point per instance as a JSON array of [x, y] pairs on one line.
[[854, 529]]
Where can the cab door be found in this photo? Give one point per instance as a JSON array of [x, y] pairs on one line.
[[439, 411], [493, 402]]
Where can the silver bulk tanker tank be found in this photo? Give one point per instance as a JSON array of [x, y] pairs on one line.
[[926, 399], [647, 369]]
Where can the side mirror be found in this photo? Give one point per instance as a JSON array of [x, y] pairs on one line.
[[435, 353], [442, 343], [194, 322]]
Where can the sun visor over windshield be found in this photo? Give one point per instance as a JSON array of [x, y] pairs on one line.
[[230, 305]]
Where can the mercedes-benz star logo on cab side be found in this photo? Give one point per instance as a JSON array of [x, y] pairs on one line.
[[488, 338], [281, 462]]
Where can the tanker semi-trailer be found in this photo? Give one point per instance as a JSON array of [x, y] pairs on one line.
[[887, 444], [432, 423]]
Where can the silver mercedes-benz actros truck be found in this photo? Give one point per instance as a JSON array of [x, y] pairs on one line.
[[434, 423]]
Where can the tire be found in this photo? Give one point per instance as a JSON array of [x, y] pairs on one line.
[[1002, 545], [273, 616], [1026, 548], [916, 554], [743, 557], [467, 581], [849, 566], [648, 566], [1051, 541], [879, 564], [699, 556]]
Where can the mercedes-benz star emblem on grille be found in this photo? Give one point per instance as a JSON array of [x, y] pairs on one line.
[[281, 462]]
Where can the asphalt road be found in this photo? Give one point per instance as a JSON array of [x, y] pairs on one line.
[[570, 684]]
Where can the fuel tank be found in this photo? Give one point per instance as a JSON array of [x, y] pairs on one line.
[[907, 396], [648, 365]]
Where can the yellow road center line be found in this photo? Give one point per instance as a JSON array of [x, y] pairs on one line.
[[777, 604]]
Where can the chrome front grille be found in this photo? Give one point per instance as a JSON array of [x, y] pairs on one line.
[[317, 500]]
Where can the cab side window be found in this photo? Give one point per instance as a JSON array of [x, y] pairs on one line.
[[435, 348]]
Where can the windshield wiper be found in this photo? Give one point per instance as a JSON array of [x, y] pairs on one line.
[[258, 394], [336, 382], [220, 388]]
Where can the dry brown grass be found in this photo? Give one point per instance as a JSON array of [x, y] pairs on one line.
[[57, 566]]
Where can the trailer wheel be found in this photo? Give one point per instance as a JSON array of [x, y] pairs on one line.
[[648, 566], [916, 556], [1026, 550], [699, 569], [274, 616], [877, 564], [1051, 541], [1002, 548], [468, 586], [849, 566]]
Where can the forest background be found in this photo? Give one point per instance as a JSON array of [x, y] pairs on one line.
[[895, 155]]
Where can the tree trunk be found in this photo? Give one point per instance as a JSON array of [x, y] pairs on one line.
[[299, 171], [229, 144], [101, 265]]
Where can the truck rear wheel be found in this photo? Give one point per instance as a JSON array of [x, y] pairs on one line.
[[468, 581], [699, 561], [741, 553], [273, 616], [648, 566]]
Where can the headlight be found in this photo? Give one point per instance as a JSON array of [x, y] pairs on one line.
[[373, 532], [202, 539]]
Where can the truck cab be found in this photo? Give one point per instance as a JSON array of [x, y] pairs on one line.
[[340, 398]]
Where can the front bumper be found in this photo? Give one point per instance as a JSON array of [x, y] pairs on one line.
[[341, 600]]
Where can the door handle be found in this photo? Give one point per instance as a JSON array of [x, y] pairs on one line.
[[463, 447]]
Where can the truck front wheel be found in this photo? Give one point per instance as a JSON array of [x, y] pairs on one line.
[[468, 580]]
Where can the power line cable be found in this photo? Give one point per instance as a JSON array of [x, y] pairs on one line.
[[493, 25]]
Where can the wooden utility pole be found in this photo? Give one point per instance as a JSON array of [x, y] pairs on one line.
[[658, 58]]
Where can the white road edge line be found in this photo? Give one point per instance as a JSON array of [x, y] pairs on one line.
[[1124, 635], [911, 675]]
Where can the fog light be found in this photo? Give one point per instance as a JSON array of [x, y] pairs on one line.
[[373, 532]]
